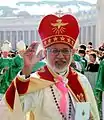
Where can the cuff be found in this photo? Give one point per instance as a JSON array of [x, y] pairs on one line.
[[23, 76]]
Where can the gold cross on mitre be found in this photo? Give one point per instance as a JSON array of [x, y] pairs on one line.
[[59, 13], [59, 26]]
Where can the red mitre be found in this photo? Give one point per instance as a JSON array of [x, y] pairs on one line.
[[55, 29]]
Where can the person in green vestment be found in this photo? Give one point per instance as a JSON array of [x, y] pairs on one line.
[[99, 88], [9, 67], [79, 63]]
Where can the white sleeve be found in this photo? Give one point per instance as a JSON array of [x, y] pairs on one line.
[[21, 76], [30, 101]]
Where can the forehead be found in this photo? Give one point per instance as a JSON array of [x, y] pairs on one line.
[[60, 45]]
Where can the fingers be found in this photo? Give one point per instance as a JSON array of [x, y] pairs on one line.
[[31, 56], [33, 47], [40, 55]]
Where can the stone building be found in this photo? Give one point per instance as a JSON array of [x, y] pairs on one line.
[[24, 27]]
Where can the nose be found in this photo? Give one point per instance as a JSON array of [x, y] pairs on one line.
[[60, 55]]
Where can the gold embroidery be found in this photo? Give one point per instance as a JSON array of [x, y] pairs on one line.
[[55, 38], [58, 26], [81, 97], [62, 38], [72, 42], [69, 40], [49, 40]]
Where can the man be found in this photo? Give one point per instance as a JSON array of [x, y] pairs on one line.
[[93, 65], [101, 48], [9, 67], [5, 64], [6, 47], [99, 89], [82, 47], [83, 60], [79, 63], [89, 45], [53, 92]]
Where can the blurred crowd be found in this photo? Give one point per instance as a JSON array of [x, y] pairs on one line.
[[86, 58]]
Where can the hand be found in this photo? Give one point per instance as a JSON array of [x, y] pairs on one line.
[[31, 58]]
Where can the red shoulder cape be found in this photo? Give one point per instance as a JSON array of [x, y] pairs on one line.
[[22, 86]]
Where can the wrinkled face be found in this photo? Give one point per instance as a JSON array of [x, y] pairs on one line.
[[58, 56]]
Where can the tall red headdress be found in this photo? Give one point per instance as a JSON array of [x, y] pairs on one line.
[[55, 29]]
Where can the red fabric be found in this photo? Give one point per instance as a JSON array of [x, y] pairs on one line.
[[74, 84], [10, 95], [45, 74], [22, 88], [65, 29], [72, 77]]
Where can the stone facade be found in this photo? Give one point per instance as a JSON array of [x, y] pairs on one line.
[[24, 28]]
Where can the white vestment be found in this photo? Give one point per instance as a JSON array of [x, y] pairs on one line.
[[43, 105]]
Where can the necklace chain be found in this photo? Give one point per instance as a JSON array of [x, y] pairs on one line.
[[58, 107]]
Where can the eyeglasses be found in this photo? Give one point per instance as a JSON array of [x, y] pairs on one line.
[[55, 51]]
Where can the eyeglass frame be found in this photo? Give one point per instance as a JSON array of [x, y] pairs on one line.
[[59, 50]]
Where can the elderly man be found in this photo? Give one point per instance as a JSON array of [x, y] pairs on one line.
[[54, 91]]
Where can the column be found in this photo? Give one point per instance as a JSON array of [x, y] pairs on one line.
[[100, 22], [81, 34], [29, 37], [91, 34]]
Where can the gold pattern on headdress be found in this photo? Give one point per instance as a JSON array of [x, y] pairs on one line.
[[59, 26], [49, 40], [62, 38], [69, 40], [55, 38]]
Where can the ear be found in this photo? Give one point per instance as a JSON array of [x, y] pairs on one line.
[[73, 51]]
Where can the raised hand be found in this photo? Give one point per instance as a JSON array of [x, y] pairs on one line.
[[31, 57]]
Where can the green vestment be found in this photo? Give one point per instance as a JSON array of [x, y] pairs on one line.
[[14, 66], [99, 88]]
